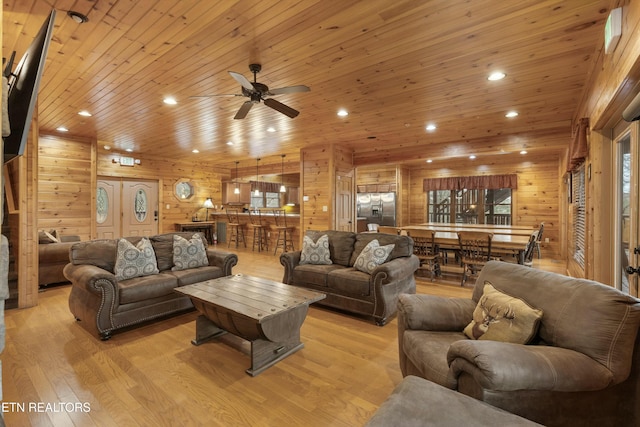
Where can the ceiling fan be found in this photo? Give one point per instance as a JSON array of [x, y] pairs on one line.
[[257, 91]]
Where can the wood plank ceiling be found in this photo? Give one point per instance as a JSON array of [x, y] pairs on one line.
[[394, 65]]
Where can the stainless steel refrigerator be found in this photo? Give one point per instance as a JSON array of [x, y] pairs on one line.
[[377, 208]]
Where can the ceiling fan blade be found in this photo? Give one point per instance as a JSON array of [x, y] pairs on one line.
[[215, 96], [244, 110], [242, 80], [279, 106], [289, 89]]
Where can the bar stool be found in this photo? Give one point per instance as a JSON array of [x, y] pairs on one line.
[[285, 232], [259, 232], [236, 230]]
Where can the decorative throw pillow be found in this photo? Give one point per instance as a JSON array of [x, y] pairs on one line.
[[501, 317], [372, 256], [135, 261], [48, 237], [188, 253], [315, 253]]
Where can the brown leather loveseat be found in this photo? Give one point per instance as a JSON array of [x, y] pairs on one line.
[[581, 365], [349, 289], [102, 303]]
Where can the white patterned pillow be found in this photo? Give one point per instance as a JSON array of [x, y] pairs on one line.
[[135, 261], [315, 253], [372, 256], [188, 253]]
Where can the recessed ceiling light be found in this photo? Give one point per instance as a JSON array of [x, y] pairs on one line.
[[229, 142], [62, 129], [84, 113], [107, 147], [170, 101], [472, 156], [343, 113], [271, 129], [523, 152], [498, 75], [429, 160], [511, 114], [431, 127], [195, 151], [129, 150], [77, 16]]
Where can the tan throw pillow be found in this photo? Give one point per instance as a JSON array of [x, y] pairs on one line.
[[501, 317], [372, 256], [188, 253], [316, 253], [135, 261]]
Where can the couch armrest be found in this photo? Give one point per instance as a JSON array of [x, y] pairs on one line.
[[93, 279], [394, 270], [223, 259], [501, 366], [433, 313], [289, 260]]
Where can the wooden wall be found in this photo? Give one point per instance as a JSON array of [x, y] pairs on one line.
[[65, 168]]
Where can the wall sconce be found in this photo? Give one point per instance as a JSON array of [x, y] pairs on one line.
[[208, 204]]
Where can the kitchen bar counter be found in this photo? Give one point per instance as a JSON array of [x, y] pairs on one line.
[[269, 222]]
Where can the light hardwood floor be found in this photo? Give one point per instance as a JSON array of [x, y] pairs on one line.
[[154, 376]]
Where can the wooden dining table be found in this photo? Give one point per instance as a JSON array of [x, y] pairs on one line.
[[510, 230], [500, 243]]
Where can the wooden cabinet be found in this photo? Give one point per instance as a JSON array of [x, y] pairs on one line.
[[293, 195], [229, 196]]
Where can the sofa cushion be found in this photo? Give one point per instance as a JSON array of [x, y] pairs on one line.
[[101, 253], [340, 244], [403, 245], [146, 287], [313, 275], [163, 246], [501, 317], [135, 261], [372, 256], [316, 253], [194, 275], [349, 281], [188, 253]]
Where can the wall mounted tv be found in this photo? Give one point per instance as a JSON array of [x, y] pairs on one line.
[[23, 89]]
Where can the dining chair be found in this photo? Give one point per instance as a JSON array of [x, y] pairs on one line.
[[540, 230], [530, 249], [425, 248], [385, 229], [475, 252]]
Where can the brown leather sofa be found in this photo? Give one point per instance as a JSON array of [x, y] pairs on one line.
[[582, 367], [52, 257], [102, 304], [349, 289]]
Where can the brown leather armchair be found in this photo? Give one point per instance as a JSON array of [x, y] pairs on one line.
[[582, 367]]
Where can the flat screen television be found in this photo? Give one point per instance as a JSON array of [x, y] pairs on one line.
[[23, 89]]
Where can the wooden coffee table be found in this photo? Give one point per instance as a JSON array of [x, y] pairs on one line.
[[268, 314]]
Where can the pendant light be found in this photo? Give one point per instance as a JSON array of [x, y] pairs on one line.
[[256, 192], [282, 187], [237, 189]]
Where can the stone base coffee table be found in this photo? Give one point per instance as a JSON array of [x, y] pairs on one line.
[[268, 314]]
